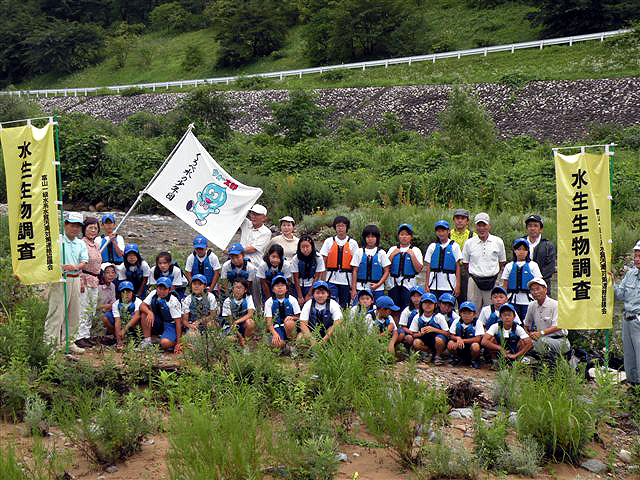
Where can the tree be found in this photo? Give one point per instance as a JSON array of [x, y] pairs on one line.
[[208, 111], [298, 118]]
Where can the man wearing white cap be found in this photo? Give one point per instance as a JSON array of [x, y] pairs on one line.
[[287, 240], [541, 321], [254, 238], [628, 291], [73, 257], [485, 257]]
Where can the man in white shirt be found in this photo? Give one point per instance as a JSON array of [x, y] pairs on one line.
[[485, 256], [541, 321], [254, 238]]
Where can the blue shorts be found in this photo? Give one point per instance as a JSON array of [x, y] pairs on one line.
[[226, 328], [169, 332], [281, 333], [429, 339], [110, 318]]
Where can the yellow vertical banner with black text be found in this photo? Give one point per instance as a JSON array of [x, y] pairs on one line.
[[585, 293], [31, 197]]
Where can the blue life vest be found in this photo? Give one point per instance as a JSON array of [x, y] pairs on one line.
[[519, 279], [200, 305], [238, 311], [109, 254], [157, 273], [401, 266], [448, 317], [280, 309], [430, 323], [202, 267], [307, 270], [320, 318], [130, 309], [160, 308], [412, 315], [241, 274], [465, 331], [135, 276], [511, 343], [272, 272], [442, 259], [369, 269], [382, 324], [493, 318]]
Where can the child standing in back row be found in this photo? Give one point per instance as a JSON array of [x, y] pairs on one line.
[[406, 264], [370, 264], [517, 275], [337, 252], [113, 251], [442, 263]]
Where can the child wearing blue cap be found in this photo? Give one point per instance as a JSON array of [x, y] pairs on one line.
[[237, 267], [134, 269], [198, 309], [489, 313], [506, 338], [126, 309], [273, 263], [370, 264], [237, 310], [517, 275], [383, 323], [466, 335], [364, 305], [406, 264], [320, 315], [442, 263], [408, 314], [163, 316], [430, 329], [281, 312], [110, 244], [446, 305], [204, 262]]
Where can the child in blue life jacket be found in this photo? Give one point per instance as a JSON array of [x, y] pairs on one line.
[[489, 313], [204, 262], [446, 305], [337, 252], [113, 251], [163, 316], [273, 263], [365, 304], [307, 267], [199, 308], [124, 310], [431, 329], [166, 268], [238, 310], [466, 335], [237, 267], [406, 264], [382, 323], [320, 315], [408, 314], [134, 269], [370, 264], [517, 275], [506, 338], [442, 263], [281, 311]]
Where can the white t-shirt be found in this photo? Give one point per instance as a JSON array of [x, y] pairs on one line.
[[175, 309], [485, 313], [213, 261], [403, 321], [373, 323], [494, 329], [227, 267], [483, 257], [370, 252], [439, 319], [119, 243], [334, 308], [479, 327], [355, 311], [309, 281], [533, 245], [257, 238], [405, 282], [454, 317], [176, 273], [290, 247], [186, 302], [146, 271], [440, 280], [269, 303], [520, 298], [337, 277], [262, 270], [226, 306], [115, 308]]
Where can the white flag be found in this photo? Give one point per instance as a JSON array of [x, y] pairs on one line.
[[199, 192]]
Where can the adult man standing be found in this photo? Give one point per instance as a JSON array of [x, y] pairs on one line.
[[541, 321], [484, 255], [254, 238], [74, 258], [541, 250], [460, 234], [629, 292]]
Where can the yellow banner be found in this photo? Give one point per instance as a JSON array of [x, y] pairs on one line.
[[585, 294], [31, 197]]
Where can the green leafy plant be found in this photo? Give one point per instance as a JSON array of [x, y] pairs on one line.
[[489, 441], [35, 416], [442, 459], [45, 463]]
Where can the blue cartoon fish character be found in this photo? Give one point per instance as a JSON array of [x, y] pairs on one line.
[[208, 202]]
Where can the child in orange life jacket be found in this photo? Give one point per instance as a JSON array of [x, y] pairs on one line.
[[431, 329], [506, 338], [365, 304], [307, 267], [370, 264], [442, 263], [238, 310], [407, 315], [446, 304], [198, 309], [281, 311], [337, 253], [166, 268], [383, 323], [237, 267], [406, 264], [466, 334], [273, 264], [163, 316], [320, 315], [517, 275], [204, 262]]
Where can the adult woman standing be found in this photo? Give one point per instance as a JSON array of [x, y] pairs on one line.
[[89, 282], [287, 240]]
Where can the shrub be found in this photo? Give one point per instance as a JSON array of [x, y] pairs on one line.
[[524, 458], [45, 464], [207, 110], [489, 441], [14, 391], [208, 348], [446, 460], [331, 76], [297, 118], [35, 416], [144, 124], [132, 91], [307, 195], [193, 58], [252, 83]]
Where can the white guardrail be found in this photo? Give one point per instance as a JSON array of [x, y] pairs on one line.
[[539, 44]]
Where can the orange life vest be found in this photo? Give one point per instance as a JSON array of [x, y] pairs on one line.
[[339, 258]]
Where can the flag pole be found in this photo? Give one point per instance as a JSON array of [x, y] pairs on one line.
[[609, 150]]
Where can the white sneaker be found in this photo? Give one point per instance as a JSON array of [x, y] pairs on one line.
[[73, 348], [145, 343]]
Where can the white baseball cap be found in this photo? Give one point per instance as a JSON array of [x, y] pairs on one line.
[[287, 219], [637, 246], [73, 217], [539, 281], [259, 209], [482, 218]]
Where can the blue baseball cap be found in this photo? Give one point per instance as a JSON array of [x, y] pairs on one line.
[[498, 290], [235, 249], [131, 248], [164, 282], [467, 306], [428, 297], [108, 217], [405, 226], [366, 291], [199, 242], [126, 285], [386, 302], [447, 298], [507, 306], [416, 289], [279, 279], [200, 278], [320, 284], [520, 241], [442, 224]]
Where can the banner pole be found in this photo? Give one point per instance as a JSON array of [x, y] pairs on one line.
[[61, 238], [609, 149]]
